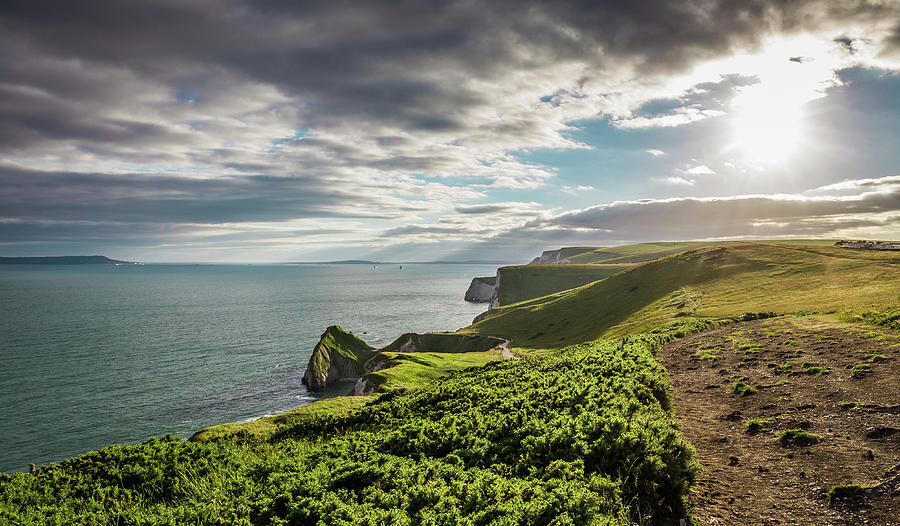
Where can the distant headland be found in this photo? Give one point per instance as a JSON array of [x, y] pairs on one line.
[[63, 260]]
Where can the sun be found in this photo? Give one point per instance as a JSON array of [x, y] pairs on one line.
[[767, 124], [767, 116]]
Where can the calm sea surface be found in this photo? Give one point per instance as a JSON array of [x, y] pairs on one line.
[[95, 355]]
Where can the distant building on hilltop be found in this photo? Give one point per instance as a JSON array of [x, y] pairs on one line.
[[870, 245]]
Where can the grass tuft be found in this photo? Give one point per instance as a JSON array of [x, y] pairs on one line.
[[860, 370], [798, 437], [846, 492], [742, 388], [756, 425]]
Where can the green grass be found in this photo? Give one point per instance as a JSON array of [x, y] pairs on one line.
[[584, 435], [860, 370], [888, 317], [798, 437], [756, 425], [742, 388], [412, 370], [336, 340], [264, 427], [576, 432], [633, 253], [728, 280], [710, 354], [524, 282]]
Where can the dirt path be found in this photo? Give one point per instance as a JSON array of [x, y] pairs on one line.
[[801, 372]]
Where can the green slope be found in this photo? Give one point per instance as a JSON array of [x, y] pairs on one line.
[[577, 434], [522, 282], [583, 436], [711, 281], [635, 253]]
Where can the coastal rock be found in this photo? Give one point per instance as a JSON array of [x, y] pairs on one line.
[[481, 290], [549, 257], [339, 355], [560, 256]]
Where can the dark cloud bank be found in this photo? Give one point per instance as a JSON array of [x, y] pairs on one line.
[[148, 117]]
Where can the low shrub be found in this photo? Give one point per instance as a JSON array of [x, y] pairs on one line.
[[798, 437]]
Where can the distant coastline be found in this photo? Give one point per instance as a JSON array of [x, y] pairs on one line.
[[63, 260], [367, 262]]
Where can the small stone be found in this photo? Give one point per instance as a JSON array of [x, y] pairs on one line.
[[733, 461], [870, 455]]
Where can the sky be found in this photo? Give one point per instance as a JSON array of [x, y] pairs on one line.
[[277, 130]]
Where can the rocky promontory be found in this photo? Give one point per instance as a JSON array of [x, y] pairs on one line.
[[339, 355], [481, 290], [559, 256]]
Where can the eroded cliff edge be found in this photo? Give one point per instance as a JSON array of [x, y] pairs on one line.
[[481, 290], [339, 355]]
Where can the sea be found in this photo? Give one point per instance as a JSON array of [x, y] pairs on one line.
[[93, 355]]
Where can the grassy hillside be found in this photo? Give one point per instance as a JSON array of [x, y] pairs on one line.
[[581, 436], [641, 252], [523, 282], [634, 253], [706, 282], [579, 430]]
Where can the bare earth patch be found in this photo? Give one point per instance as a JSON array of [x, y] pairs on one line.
[[781, 411]]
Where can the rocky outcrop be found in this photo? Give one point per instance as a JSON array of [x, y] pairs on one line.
[[548, 257], [367, 384], [339, 355], [559, 256], [481, 290], [495, 298]]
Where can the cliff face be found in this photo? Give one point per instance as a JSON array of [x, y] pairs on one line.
[[339, 355], [549, 257], [559, 256], [481, 290]]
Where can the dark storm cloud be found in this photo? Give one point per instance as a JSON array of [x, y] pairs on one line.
[[141, 198], [329, 109], [392, 62]]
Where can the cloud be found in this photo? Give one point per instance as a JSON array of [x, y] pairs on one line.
[[856, 184], [163, 115], [872, 211], [701, 169], [655, 153], [679, 181], [573, 190]]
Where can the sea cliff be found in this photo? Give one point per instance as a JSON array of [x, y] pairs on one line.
[[339, 355], [481, 290]]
